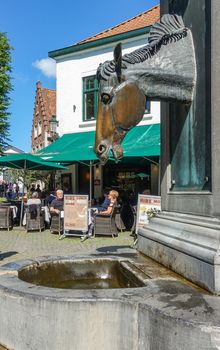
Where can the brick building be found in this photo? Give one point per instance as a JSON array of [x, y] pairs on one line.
[[44, 118]]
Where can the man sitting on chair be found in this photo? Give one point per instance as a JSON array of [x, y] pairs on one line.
[[57, 204]]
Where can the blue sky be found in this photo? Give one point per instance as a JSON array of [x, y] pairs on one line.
[[36, 27]]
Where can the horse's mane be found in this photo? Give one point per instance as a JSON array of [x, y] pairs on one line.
[[169, 29]]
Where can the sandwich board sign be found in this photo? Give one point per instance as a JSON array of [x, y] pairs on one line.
[[75, 214], [146, 205]]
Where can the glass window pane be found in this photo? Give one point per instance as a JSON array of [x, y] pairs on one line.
[[89, 106], [90, 98], [89, 83], [147, 107]]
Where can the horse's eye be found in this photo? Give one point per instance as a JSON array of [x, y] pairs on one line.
[[105, 98]]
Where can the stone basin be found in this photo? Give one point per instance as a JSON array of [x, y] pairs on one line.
[[82, 274], [132, 312]]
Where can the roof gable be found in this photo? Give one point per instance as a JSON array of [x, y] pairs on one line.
[[144, 19], [49, 101], [47, 98], [135, 26], [11, 149]]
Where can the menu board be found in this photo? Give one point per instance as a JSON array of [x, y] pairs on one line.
[[76, 212], [145, 204]]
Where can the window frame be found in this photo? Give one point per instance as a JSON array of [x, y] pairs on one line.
[[85, 91]]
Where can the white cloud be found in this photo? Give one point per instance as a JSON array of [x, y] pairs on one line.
[[47, 66]]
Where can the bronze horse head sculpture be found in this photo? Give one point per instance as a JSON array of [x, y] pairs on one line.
[[164, 69]]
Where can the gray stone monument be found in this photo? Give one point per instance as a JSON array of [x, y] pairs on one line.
[[186, 235]]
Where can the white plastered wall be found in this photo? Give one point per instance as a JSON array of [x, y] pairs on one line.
[[70, 71]]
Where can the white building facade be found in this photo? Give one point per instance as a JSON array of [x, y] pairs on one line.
[[72, 70], [77, 92]]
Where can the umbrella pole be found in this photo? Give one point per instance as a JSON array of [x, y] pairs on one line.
[[90, 182], [22, 206], [22, 197]]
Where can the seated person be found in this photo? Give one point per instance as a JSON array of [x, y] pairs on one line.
[[113, 196], [23, 197], [105, 203], [33, 203], [38, 190], [34, 199], [50, 197], [57, 204], [32, 189], [112, 201]]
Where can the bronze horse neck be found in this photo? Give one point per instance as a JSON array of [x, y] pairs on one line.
[[164, 69]]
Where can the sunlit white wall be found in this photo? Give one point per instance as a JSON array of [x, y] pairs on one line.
[[70, 71]]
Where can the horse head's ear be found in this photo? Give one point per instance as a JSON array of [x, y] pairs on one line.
[[117, 60]]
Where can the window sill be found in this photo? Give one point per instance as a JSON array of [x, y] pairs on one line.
[[87, 124], [91, 123], [147, 117]]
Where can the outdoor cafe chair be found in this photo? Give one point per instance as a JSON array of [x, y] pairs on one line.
[[6, 220], [119, 223], [56, 223], [34, 218], [105, 225]]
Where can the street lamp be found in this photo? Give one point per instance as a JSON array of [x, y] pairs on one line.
[[53, 135]]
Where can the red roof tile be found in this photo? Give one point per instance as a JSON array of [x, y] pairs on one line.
[[144, 19]]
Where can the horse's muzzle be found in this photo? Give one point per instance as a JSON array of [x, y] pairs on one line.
[[117, 151], [102, 151], [101, 148]]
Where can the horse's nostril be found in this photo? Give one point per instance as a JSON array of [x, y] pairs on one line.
[[101, 148]]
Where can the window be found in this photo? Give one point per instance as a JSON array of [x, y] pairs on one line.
[[39, 128], [35, 131], [90, 98], [147, 107]]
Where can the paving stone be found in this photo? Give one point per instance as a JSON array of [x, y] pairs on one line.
[[18, 245]]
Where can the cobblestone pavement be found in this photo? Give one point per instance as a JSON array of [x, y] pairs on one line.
[[18, 245]]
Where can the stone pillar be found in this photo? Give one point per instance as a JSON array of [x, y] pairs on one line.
[[186, 236]]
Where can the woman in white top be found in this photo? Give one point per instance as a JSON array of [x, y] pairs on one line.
[[34, 199]]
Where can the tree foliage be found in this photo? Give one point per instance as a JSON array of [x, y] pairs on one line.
[[29, 176], [5, 88]]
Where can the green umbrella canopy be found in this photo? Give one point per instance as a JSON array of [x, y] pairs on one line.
[[141, 141], [71, 148], [27, 161]]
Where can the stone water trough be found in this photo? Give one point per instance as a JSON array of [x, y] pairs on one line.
[[87, 303]]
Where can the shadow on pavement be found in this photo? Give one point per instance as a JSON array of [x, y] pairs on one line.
[[116, 249], [7, 255]]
